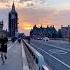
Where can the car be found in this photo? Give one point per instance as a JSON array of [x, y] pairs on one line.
[[45, 39], [39, 38]]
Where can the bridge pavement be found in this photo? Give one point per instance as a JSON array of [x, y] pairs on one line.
[[16, 58]]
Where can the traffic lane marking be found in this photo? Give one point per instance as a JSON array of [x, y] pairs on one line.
[[59, 41], [49, 47], [63, 57], [68, 66], [58, 47], [57, 51], [53, 46]]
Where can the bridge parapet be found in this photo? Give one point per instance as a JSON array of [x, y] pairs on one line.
[[39, 59]]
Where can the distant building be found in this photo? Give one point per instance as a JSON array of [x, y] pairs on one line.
[[1, 29], [13, 22], [50, 32], [1, 25], [65, 31]]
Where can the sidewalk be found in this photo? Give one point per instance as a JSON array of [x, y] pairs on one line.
[[15, 60], [24, 59]]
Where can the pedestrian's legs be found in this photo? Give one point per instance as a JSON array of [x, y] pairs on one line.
[[5, 55], [2, 57], [0, 54]]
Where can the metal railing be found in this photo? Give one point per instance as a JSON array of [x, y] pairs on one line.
[[37, 57]]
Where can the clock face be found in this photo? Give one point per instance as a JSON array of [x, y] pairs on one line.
[[12, 16]]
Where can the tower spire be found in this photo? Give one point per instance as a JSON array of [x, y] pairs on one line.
[[13, 6]]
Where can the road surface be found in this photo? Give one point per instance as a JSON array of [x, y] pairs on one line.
[[56, 53]]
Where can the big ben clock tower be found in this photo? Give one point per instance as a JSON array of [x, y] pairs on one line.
[[13, 22]]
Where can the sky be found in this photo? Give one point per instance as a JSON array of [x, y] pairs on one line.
[[39, 12]]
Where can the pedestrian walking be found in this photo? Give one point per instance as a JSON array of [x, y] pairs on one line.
[[4, 41], [19, 40], [29, 39], [0, 43]]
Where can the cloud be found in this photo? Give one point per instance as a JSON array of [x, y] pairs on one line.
[[24, 0], [45, 17], [39, 16], [44, 4]]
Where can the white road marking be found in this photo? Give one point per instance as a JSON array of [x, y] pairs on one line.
[[58, 51], [58, 47], [55, 46], [68, 66]]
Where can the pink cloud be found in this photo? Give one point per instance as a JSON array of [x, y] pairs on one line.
[[38, 16]]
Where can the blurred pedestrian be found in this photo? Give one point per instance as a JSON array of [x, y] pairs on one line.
[[4, 41], [29, 39], [13, 39], [19, 40], [0, 42]]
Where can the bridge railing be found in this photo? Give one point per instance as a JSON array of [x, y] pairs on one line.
[[37, 57]]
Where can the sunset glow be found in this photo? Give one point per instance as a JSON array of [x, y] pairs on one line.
[[39, 12], [25, 26]]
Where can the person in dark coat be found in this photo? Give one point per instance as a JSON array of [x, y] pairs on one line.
[[0, 43], [28, 39], [4, 45], [19, 40], [3, 42]]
